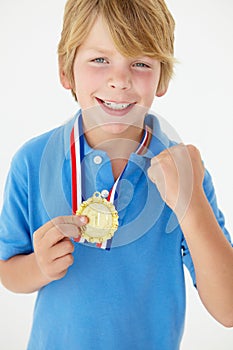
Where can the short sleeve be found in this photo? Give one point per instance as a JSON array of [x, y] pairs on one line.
[[14, 227], [211, 196]]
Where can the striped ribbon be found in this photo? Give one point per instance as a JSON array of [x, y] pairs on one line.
[[77, 154]]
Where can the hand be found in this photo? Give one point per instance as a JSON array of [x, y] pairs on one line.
[[178, 173], [53, 247]]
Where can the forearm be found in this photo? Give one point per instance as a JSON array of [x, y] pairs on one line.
[[212, 257], [21, 274]]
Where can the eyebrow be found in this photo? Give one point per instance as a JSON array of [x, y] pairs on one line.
[[105, 52], [101, 50]]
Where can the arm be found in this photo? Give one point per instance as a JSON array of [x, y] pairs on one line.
[[178, 173], [21, 274], [212, 256], [51, 258]]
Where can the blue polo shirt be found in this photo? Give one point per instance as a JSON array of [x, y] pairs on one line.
[[131, 297]]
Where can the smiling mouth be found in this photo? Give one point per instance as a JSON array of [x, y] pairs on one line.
[[116, 106]]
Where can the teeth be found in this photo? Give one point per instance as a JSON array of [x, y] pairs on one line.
[[117, 106]]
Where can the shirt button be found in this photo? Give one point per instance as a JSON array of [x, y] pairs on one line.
[[97, 160], [104, 193]]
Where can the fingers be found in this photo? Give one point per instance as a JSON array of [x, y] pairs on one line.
[[171, 153], [178, 174], [53, 247], [57, 233], [156, 175], [54, 260], [61, 265], [60, 259], [67, 226], [62, 249], [58, 268]]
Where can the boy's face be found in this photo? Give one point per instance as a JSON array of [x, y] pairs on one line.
[[116, 84]]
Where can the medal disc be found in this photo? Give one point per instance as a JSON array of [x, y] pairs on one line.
[[103, 219]]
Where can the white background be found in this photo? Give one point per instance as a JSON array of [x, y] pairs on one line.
[[199, 104]]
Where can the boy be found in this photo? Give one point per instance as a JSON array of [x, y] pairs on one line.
[[115, 56]]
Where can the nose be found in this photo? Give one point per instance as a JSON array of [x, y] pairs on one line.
[[120, 78]]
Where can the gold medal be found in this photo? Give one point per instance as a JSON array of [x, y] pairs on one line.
[[103, 219]]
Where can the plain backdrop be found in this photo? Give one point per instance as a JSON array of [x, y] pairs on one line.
[[198, 104]]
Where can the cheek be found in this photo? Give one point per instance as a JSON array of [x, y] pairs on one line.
[[147, 85], [87, 79]]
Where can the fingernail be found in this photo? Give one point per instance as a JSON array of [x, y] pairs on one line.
[[83, 219]]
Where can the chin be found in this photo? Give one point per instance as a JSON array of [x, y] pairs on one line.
[[115, 128]]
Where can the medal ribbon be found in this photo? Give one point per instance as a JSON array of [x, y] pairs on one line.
[[77, 154]]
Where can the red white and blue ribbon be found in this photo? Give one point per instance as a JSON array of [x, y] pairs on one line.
[[76, 145]]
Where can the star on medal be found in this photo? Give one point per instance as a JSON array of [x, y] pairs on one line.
[[103, 219]]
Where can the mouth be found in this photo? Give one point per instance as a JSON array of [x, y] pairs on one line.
[[117, 108]]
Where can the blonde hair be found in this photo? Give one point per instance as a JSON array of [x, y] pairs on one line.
[[138, 27]]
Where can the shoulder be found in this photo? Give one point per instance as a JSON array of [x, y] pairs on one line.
[[160, 134], [31, 152]]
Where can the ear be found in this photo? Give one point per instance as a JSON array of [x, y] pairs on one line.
[[161, 92], [63, 78]]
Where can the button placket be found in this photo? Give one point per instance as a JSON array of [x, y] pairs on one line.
[[104, 193], [97, 160]]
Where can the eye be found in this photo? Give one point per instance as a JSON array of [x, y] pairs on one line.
[[141, 65], [99, 60]]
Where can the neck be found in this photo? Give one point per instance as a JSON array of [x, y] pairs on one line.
[[117, 146]]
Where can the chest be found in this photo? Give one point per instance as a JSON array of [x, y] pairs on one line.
[[118, 166]]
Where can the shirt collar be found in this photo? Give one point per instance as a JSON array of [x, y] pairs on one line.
[[159, 140]]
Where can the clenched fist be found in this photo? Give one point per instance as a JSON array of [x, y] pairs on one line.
[[178, 173]]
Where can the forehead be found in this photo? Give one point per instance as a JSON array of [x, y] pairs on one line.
[[99, 37], [99, 40]]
